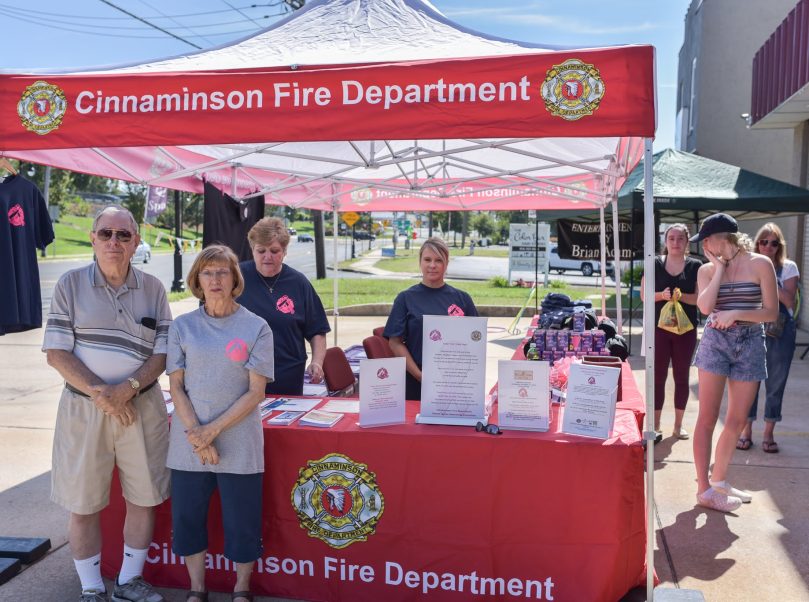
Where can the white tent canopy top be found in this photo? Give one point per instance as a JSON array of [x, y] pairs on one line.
[[320, 167]]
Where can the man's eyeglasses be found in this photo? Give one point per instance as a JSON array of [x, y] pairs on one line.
[[489, 429], [773, 243], [104, 234]]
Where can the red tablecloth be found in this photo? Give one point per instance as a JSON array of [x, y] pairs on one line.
[[433, 512]]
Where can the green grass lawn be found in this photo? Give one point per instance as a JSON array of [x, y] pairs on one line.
[[360, 291]]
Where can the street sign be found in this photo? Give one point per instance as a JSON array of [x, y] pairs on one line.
[[351, 218], [532, 213], [403, 224]]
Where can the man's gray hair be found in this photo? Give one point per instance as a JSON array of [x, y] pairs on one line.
[[115, 209]]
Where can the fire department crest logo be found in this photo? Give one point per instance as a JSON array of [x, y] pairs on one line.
[[572, 90], [337, 500], [42, 107]]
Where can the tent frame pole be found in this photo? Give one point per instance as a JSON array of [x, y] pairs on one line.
[[603, 238], [649, 239], [336, 311], [616, 266]]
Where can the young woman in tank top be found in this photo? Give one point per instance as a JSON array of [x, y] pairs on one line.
[[738, 293]]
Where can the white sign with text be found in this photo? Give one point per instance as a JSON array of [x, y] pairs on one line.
[[453, 373], [382, 391], [591, 395], [523, 395]]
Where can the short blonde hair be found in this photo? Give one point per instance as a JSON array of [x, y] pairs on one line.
[[740, 239], [771, 228], [215, 254], [436, 245], [268, 230]]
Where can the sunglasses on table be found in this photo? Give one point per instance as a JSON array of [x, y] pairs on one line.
[[773, 243], [104, 234], [489, 429]]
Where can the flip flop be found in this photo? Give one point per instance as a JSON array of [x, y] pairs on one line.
[[769, 447], [744, 444]]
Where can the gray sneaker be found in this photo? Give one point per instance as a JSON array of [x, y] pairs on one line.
[[93, 596], [135, 590]]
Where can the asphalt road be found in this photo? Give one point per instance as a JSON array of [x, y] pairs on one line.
[[300, 256]]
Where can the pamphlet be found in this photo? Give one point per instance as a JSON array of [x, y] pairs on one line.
[[382, 391], [315, 390], [268, 405], [591, 394], [341, 406], [321, 419], [285, 418], [523, 395], [453, 371], [303, 405]]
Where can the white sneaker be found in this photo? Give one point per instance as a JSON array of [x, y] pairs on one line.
[[713, 498], [728, 489]]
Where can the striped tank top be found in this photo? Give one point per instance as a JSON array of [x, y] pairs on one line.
[[738, 295]]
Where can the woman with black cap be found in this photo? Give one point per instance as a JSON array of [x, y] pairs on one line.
[[738, 293]]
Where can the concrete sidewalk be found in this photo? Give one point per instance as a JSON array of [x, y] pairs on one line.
[[760, 553]]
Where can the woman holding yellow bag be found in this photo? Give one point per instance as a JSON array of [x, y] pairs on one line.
[[675, 279]]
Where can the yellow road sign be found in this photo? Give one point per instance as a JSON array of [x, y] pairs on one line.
[[351, 218]]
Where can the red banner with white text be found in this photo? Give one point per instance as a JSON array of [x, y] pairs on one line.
[[593, 93]]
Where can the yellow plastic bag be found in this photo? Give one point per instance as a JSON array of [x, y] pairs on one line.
[[673, 317]]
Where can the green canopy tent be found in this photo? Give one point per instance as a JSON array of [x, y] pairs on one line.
[[687, 185]]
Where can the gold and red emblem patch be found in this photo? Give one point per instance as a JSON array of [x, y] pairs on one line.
[[42, 107], [337, 500], [572, 90]]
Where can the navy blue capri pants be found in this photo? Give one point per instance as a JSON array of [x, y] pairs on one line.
[[241, 512]]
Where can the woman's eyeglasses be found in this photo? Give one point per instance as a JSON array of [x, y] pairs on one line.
[[489, 429], [104, 234], [218, 274], [773, 243]]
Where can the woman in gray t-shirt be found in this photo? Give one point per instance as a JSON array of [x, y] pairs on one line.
[[220, 358]]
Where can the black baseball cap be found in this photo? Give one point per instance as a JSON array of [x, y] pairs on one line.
[[715, 224]]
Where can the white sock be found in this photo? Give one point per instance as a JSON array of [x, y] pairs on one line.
[[89, 571], [132, 565], [719, 484]]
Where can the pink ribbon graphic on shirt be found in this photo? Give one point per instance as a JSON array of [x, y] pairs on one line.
[[236, 350], [16, 216], [285, 305], [454, 310]]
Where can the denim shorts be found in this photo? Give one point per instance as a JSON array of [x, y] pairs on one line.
[[738, 352]]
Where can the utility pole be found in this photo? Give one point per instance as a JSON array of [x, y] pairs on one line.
[[178, 286], [320, 252]]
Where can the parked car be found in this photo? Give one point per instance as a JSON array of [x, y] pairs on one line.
[[143, 254], [305, 238], [292, 231], [587, 267], [363, 235]]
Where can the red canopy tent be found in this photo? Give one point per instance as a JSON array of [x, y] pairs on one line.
[[357, 105]]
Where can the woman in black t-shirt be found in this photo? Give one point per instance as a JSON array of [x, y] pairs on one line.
[[432, 296], [674, 270]]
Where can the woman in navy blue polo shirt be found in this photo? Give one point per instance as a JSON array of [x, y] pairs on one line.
[[432, 297], [288, 302]]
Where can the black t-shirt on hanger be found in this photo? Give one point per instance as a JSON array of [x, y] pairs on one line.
[[25, 226]]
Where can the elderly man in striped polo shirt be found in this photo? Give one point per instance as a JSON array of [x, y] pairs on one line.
[[107, 335]]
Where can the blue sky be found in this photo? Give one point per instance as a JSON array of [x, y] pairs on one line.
[[53, 34]]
